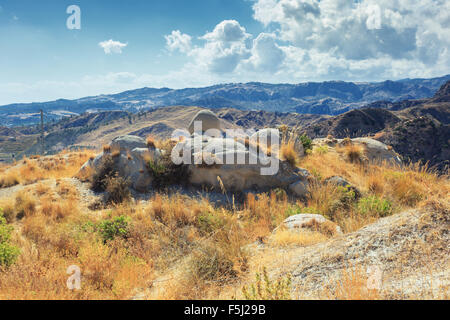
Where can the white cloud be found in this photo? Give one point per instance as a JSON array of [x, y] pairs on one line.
[[111, 46], [266, 54], [223, 48], [329, 39], [227, 32], [178, 41], [361, 30]]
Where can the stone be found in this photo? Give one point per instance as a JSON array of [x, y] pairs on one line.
[[128, 142], [130, 163], [299, 188], [304, 220], [378, 151], [240, 177], [341, 182], [208, 119]]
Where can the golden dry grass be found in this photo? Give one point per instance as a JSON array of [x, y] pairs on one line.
[[200, 246], [29, 171], [288, 153], [285, 238]]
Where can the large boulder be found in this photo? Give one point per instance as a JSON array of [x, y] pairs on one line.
[[128, 143], [208, 119], [240, 177], [378, 151], [225, 162], [130, 162]]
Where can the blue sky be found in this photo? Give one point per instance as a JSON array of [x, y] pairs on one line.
[[130, 44]]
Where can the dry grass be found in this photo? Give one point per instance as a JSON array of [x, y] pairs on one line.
[[285, 238], [353, 153], [288, 153], [29, 171], [151, 142], [200, 245], [9, 179], [352, 285]]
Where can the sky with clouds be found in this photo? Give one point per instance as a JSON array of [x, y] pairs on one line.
[[177, 43]]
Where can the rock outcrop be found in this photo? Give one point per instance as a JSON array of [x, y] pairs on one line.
[[208, 119], [378, 151], [235, 165], [374, 150], [130, 155]]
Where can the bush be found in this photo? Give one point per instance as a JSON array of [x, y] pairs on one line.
[[209, 263], [307, 142], [116, 227], [354, 153], [104, 172], [8, 252], [289, 154], [373, 206], [9, 179], [209, 222], [165, 173], [266, 289], [25, 205], [117, 189]]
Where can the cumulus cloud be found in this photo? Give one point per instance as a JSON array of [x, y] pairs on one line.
[[178, 41], [221, 51], [111, 46], [266, 54], [227, 32], [368, 29]]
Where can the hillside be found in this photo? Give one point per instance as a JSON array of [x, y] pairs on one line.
[[97, 129], [184, 243], [331, 97], [418, 129]]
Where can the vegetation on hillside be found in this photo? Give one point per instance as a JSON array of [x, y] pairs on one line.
[[193, 247]]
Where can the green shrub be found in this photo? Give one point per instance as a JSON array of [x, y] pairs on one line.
[[343, 200], [266, 289], [321, 149], [209, 222], [307, 142], [116, 227], [8, 252], [374, 206], [5, 229]]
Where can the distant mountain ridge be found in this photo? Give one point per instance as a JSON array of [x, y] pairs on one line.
[[327, 98]]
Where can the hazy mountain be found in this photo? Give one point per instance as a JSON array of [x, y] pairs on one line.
[[331, 97]]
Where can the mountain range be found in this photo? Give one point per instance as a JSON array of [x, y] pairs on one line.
[[325, 98]]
